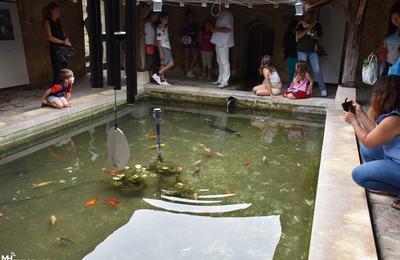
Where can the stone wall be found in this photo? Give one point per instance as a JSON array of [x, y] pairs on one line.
[[36, 46]]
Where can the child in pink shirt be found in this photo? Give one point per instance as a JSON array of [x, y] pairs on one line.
[[206, 50], [302, 84]]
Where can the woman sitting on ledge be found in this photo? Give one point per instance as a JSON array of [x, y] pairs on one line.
[[379, 136]]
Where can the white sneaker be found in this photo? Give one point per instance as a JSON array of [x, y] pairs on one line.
[[157, 78], [324, 93], [190, 75], [165, 83], [222, 85], [216, 83]]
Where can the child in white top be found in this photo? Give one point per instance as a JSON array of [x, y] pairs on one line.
[[272, 85], [164, 48]]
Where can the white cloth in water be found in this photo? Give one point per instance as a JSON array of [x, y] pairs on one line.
[[177, 199], [194, 208], [151, 234]]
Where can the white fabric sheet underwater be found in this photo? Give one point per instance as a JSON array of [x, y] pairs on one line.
[[151, 234], [171, 198], [194, 208]]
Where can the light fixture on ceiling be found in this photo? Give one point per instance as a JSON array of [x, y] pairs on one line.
[[299, 8], [204, 4], [157, 5], [226, 4], [182, 4]]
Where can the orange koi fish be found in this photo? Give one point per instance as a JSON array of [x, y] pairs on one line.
[[151, 136], [208, 153], [220, 155], [112, 202], [247, 164], [112, 172], [91, 202]]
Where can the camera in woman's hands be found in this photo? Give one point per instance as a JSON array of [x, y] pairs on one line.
[[347, 106]]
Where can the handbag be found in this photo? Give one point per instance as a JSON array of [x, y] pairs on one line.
[[64, 53], [370, 70], [149, 49], [186, 40], [321, 50]]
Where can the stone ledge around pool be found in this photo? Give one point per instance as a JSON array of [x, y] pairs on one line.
[[342, 227], [24, 127], [245, 99]]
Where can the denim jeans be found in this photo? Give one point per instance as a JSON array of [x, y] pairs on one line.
[[314, 60], [377, 172]]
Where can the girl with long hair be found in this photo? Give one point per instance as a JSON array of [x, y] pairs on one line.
[[271, 85], [302, 84], [379, 135]]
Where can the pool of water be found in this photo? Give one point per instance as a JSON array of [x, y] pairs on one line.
[[273, 165]]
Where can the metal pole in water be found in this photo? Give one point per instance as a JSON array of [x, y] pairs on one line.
[[157, 117], [229, 101]]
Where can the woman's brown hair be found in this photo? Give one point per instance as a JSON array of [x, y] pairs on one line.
[[46, 12], [301, 69], [266, 63], [385, 96]]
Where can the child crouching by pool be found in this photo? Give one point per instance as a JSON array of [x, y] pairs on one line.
[[302, 84], [271, 85], [59, 95]]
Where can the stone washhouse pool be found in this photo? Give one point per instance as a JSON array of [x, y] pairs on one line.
[[267, 168]]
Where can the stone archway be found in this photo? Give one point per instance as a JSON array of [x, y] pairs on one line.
[[259, 42]]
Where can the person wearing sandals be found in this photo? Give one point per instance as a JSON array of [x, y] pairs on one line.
[[379, 137]]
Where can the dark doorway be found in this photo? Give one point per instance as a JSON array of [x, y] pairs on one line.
[[260, 42]]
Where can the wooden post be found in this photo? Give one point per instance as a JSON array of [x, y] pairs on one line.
[[142, 13], [95, 44], [353, 46], [111, 8], [130, 51]]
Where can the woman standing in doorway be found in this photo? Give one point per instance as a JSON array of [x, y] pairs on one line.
[[308, 34], [56, 37]]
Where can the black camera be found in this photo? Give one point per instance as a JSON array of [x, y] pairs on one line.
[[347, 106]]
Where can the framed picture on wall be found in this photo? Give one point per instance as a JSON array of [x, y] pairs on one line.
[[6, 25]]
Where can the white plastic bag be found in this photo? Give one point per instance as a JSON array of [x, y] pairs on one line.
[[370, 70]]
